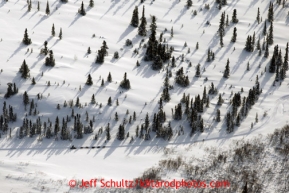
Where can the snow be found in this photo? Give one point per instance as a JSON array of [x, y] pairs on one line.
[[28, 164]]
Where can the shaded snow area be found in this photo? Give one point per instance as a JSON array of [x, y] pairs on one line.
[[139, 137]]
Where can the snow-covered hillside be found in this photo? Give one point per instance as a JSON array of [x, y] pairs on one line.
[[33, 162]]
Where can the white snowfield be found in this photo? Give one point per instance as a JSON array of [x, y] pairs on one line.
[[38, 164]]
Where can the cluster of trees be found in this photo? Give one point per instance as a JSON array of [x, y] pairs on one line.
[[7, 116], [156, 52], [102, 53], [234, 117], [50, 61], [11, 90], [181, 78], [277, 64]]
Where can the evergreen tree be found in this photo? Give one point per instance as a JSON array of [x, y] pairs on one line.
[[45, 49], [143, 22], [258, 16], [26, 40], [157, 63], [116, 116], [38, 6], [234, 37], [25, 99], [198, 71], [272, 67], [234, 16], [271, 12], [151, 51], [33, 81], [266, 53], [258, 45], [29, 6], [135, 20], [218, 116], [82, 11], [92, 99], [88, 50], [270, 35], [47, 10], [89, 80], [91, 3], [109, 79], [121, 132], [265, 28], [228, 122], [24, 70], [189, 3], [227, 70], [125, 83], [60, 34], [285, 62], [172, 32], [147, 122], [53, 30], [109, 101], [222, 29]]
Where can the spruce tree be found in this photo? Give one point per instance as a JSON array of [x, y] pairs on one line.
[[109, 79], [227, 70], [189, 3], [24, 70], [25, 99], [270, 35], [143, 22], [82, 11], [88, 50], [258, 16], [271, 12], [218, 115], [285, 62], [53, 30], [60, 34], [38, 6], [266, 53], [234, 37], [222, 29], [91, 3], [234, 16], [125, 83], [33, 81], [92, 99], [89, 80], [109, 101], [151, 51], [198, 71], [47, 10], [172, 32], [29, 6], [265, 28], [26, 40], [134, 20]]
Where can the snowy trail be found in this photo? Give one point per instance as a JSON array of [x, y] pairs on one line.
[[278, 111]]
